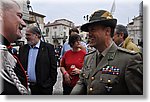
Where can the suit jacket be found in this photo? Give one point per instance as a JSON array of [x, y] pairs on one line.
[[119, 72], [45, 68]]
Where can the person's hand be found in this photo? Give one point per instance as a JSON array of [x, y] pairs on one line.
[[75, 71], [67, 78]]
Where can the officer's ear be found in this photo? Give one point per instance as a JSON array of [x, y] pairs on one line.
[[121, 34], [108, 31]]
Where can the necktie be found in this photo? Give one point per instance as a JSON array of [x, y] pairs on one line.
[[98, 58]]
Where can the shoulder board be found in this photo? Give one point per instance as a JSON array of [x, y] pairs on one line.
[[91, 52], [127, 51], [3, 47]]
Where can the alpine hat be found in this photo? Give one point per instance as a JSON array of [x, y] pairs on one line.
[[101, 17]]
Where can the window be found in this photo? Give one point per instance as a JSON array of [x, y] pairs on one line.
[[55, 27], [47, 31], [55, 33], [65, 28], [64, 33]]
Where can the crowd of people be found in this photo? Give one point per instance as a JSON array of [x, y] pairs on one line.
[[113, 67]]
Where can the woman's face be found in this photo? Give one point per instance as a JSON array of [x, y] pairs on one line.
[[77, 44]]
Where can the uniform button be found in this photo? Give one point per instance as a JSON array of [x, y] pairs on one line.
[[91, 89], [28, 84], [83, 74], [92, 78], [101, 79], [109, 81]]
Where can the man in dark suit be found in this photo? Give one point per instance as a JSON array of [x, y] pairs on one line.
[[38, 59], [109, 70]]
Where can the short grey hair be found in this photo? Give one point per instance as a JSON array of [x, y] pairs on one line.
[[35, 30], [8, 4], [121, 28]]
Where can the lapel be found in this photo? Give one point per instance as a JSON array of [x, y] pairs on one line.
[[41, 49], [25, 54], [105, 60], [92, 62]]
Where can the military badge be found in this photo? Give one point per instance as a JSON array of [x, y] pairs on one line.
[[109, 76], [113, 70]]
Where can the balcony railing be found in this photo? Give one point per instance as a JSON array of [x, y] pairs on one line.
[[59, 37]]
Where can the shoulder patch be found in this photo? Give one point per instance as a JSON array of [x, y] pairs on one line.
[[91, 53], [127, 51]]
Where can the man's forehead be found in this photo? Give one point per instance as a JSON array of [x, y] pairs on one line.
[[28, 33], [28, 30], [94, 27]]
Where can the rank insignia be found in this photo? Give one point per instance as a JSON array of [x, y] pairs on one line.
[[113, 70]]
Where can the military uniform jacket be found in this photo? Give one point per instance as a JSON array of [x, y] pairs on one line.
[[14, 81], [12, 75], [120, 72]]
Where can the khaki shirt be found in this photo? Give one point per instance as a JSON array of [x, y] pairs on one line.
[[119, 72]]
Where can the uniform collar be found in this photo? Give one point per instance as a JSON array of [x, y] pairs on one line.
[[4, 41], [121, 44], [38, 44], [106, 50]]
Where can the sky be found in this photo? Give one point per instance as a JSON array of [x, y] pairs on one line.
[[75, 10]]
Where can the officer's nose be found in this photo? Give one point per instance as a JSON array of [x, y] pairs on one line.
[[23, 23]]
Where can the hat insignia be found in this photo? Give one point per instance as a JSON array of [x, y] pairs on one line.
[[107, 15]]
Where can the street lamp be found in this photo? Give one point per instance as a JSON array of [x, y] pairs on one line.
[[29, 6], [86, 18]]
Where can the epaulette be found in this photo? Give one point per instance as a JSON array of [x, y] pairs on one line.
[[90, 53], [127, 51], [3, 47]]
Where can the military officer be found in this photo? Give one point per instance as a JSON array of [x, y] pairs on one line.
[[13, 78], [109, 70]]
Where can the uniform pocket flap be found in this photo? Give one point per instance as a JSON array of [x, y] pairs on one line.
[[109, 79]]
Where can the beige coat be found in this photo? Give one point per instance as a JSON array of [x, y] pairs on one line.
[[128, 44]]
